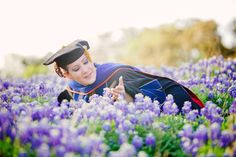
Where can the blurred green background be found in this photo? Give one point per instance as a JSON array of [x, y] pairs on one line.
[[171, 45]]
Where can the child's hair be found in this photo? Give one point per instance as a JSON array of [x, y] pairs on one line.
[[86, 53], [58, 69]]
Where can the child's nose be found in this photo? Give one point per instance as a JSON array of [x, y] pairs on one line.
[[84, 69]]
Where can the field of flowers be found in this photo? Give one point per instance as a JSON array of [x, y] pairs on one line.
[[32, 123]]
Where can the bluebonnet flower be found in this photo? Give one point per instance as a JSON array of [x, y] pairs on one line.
[[6, 84], [212, 112], [169, 106], [127, 125], [187, 131], [232, 108], [186, 144], [211, 95], [131, 108], [160, 126], [232, 91], [189, 139], [29, 111], [133, 119], [196, 144], [106, 126], [156, 108], [122, 138], [6, 125], [138, 98], [192, 115], [186, 107], [201, 133], [137, 141], [146, 118], [215, 131], [60, 151], [150, 140], [4, 97], [43, 150], [36, 141], [38, 113], [23, 154], [74, 144], [104, 115], [226, 138], [54, 137], [82, 129]]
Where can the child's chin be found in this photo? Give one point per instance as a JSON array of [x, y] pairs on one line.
[[91, 82]]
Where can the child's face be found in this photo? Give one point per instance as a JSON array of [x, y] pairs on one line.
[[82, 70]]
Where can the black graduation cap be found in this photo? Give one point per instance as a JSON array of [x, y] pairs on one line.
[[68, 54]]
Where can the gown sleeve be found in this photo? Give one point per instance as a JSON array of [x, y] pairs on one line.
[[157, 88], [64, 95], [132, 81]]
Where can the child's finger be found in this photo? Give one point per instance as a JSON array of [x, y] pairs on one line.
[[116, 91], [121, 82]]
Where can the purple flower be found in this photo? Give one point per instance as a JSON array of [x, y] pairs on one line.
[[106, 126], [169, 106], [226, 138], [187, 131], [81, 130], [201, 133], [60, 151], [127, 125], [232, 90], [186, 144], [6, 84], [156, 108], [37, 114], [122, 138], [212, 112], [215, 131], [16, 99], [23, 154], [232, 108], [139, 97], [187, 107], [55, 136], [36, 141], [146, 119], [210, 95], [137, 141], [4, 97], [43, 150], [7, 125], [192, 115], [133, 119], [196, 144], [150, 140], [73, 144]]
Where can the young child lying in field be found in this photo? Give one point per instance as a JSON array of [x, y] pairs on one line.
[[87, 78]]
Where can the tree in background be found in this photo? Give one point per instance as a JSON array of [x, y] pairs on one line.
[[176, 43]]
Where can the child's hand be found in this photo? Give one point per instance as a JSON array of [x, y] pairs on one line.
[[119, 90]]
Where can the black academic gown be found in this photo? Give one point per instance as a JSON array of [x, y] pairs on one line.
[[139, 82]]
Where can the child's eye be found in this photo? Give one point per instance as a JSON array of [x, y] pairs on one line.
[[76, 69], [86, 62]]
